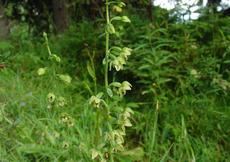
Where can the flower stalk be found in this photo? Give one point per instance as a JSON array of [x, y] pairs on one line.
[[111, 118], [107, 46]]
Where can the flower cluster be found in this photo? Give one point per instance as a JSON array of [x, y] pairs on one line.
[[116, 139], [124, 119], [53, 100], [222, 83], [67, 120], [121, 88], [95, 154], [97, 101], [118, 57]]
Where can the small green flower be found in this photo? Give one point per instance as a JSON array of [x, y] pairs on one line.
[[194, 46], [224, 84], [51, 97], [194, 73], [125, 86], [64, 118], [65, 145], [118, 66], [65, 78], [117, 9], [124, 119], [115, 137], [95, 101], [61, 101], [126, 52], [94, 154], [127, 123], [55, 58], [67, 120], [49, 106], [118, 63], [70, 123], [119, 137], [56, 134], [41, 71], [128, 112]]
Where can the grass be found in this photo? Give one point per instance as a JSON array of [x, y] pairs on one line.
[[27, 122], [32, 132]]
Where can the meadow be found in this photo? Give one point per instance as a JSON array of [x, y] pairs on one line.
[[135, 91]]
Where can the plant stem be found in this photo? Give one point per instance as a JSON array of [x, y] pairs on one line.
[[47, 45], [97, 130], [107, 46], [107, 61], [154, 131]]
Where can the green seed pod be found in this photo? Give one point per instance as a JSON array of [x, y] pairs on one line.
[[110, 28], [125, 19]]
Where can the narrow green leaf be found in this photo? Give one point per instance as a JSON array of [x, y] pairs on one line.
[[91, 71]]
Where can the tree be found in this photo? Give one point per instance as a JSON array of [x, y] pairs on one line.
[[213, 5], [60, 14], [143, 4], [149, 9], [4, 25]]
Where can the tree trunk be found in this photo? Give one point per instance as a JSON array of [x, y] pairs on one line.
[[60, 14], [4, 24], [149, 9]]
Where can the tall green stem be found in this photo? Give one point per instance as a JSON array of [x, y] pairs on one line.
[[106, 60], [47, 44], [107, 46]]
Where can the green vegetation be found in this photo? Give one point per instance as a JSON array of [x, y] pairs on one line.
[[68, 97]]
